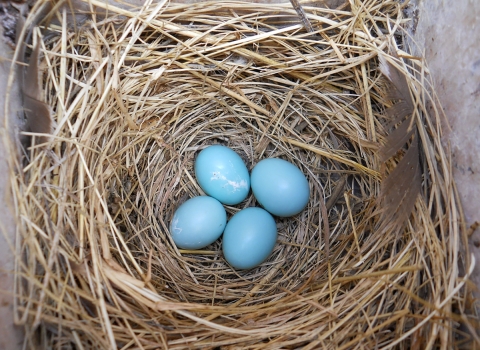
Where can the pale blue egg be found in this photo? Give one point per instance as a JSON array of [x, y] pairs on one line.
[[280, 187], [222, 174], [249, 238], [198, 222]]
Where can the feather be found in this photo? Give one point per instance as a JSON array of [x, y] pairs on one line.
[[38, 118], [30, 83], [396, 140], [37, 113], [401, 187]]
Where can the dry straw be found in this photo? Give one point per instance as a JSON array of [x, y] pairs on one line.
[[135, 96]]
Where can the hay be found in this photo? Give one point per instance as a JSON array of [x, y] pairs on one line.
[[137, 95]]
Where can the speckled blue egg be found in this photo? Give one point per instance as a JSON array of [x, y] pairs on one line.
[[198, 222], [222, 174], [249, 238], [280, 187]]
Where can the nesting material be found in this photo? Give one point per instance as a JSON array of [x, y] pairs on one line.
[[136, 96]]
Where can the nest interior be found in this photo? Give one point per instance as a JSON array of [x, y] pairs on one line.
[[136, 96]]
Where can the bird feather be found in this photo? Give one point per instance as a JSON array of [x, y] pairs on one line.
[[37, 113], [402, 185]]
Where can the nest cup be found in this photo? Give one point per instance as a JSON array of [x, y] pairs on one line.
[[137, 96]]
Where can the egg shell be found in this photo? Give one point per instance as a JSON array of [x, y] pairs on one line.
[[280, 187], [222, 174], [249, 238], [198, 222]]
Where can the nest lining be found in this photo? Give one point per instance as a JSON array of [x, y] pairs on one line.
[[136, 97]]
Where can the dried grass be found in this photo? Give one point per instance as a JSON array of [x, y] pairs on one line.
[[136, 96]]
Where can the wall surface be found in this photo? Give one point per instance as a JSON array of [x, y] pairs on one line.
[[10, 336], [448, 34]]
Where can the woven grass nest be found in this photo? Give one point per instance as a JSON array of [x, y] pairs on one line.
[[135, 96]]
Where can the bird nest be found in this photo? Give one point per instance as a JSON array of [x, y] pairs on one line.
[[372, 262]]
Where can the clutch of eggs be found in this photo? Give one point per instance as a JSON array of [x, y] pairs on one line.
[[250, 235]]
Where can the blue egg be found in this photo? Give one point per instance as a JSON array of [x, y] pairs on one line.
[[280, 187], [198, 222], [249, 238], [222, 174]]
